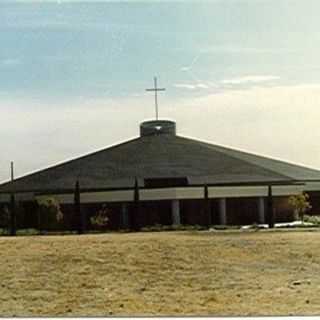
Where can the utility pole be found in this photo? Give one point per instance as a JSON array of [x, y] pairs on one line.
[[13, 230]]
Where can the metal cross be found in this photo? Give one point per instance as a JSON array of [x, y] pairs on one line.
[[156, 89]]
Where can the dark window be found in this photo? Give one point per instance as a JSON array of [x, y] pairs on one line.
[[165, 182]]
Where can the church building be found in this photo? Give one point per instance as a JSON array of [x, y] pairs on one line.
[[160, 178], [163, 178]]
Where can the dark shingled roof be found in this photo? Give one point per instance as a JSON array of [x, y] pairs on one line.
[[161, 156]]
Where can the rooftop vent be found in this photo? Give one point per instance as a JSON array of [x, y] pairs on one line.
[[155, 127]]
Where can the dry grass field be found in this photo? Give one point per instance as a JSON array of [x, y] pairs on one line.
[[166, 273]]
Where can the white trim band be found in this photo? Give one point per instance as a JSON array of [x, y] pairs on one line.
[[179, 193]]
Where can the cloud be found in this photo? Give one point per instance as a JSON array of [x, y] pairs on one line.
[[193, 62], [202, 86], [10, 62], [229, 49], [250, 79], [232, 83], [191, 86]]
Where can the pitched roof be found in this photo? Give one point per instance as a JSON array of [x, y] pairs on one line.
[[161, 156]]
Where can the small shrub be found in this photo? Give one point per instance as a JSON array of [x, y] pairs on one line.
[[312, 219], [153, 228], [3, 231], [225, 227], [51, 206], [100, 219], [300, 204], [27, 232], [220, 227], [178, 227]]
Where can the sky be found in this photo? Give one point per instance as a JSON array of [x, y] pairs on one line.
[[239, 73]]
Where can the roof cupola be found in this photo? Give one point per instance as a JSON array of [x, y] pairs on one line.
[[156, 127]]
